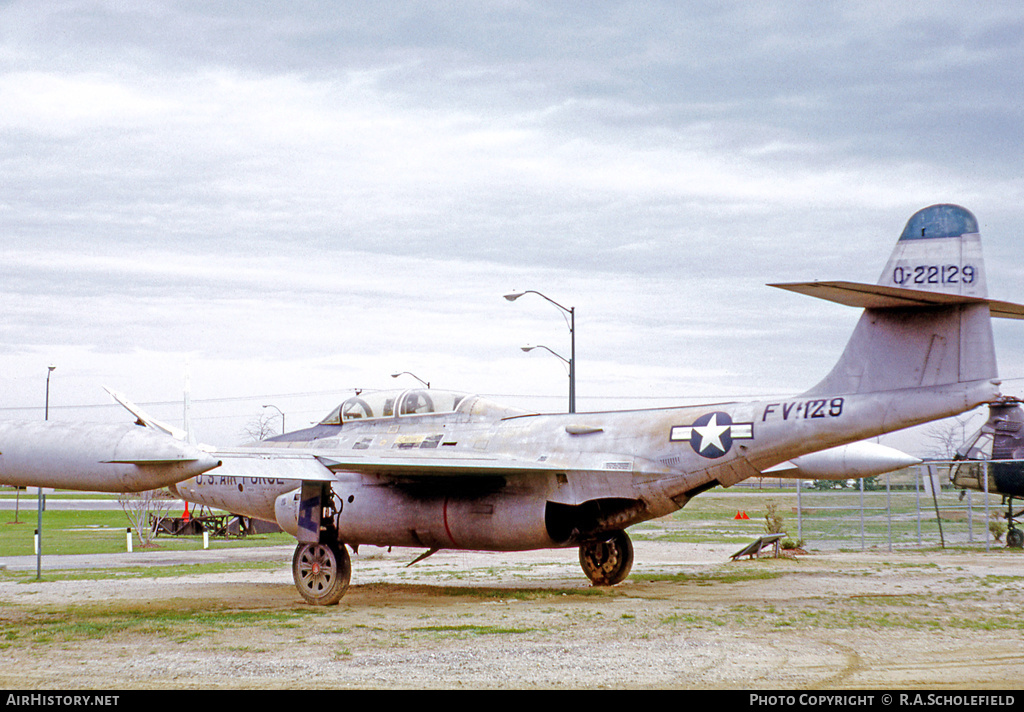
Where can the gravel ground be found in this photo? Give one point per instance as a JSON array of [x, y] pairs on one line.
[[687, 617]]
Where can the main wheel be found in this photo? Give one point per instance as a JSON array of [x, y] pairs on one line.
[[321, 572], [1015, 538], [607, 561]]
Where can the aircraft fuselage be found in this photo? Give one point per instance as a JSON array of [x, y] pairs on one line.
[[487, 477]]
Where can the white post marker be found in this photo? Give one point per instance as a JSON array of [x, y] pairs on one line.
[[129, 535], [206, 540]]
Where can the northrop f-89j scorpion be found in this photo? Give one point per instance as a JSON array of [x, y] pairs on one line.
[[437, 469]]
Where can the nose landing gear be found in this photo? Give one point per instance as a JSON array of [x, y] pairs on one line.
[[321, 572]]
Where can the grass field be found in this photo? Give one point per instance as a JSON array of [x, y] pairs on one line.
[[97, 532]]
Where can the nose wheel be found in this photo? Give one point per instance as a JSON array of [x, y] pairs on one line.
[[607, 561], [322, 572]]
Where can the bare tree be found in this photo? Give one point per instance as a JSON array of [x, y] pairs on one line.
[[138, 507], [259, 428], [945, 436]]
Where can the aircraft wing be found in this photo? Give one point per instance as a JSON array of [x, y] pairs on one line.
[[307, 464], [467, 465], [284, 466]]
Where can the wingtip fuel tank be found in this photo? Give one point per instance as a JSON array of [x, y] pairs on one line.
[[855, 460], [95, 457]]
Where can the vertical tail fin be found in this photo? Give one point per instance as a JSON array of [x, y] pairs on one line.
[[927, 320]]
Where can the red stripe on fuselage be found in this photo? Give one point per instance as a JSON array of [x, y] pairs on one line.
[[447, 529]]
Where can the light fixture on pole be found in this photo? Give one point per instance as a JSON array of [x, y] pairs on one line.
[[396, 375], [571, 321], [531, 347]]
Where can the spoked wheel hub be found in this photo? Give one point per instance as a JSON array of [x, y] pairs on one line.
[[322, 572], [607, 561]]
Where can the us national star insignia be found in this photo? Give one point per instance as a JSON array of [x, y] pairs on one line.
[[711, 435]]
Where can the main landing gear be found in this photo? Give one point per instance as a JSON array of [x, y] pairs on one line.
[[1014, 534], [606, 561], [1015, 538], [322, 572]]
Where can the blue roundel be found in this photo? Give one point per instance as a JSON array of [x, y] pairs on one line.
[[711, 435]]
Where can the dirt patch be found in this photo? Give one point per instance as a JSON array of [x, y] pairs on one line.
[[687, 617]]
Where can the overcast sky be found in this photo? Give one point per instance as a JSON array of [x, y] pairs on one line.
[[299, 199]]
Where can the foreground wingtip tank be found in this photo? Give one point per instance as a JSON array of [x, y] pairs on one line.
[[95, 457]]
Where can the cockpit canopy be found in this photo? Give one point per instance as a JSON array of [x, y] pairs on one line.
[[385, 404]]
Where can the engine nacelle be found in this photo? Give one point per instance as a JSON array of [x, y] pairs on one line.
[[389, 516]]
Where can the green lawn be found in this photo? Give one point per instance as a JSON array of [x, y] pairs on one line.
[[98, 532]]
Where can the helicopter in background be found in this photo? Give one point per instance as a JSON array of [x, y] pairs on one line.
[[1000, 444]]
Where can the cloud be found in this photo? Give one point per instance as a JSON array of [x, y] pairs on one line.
[[303, 198]]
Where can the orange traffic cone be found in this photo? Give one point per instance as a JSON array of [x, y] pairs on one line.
[[741, 515], [186, 516]]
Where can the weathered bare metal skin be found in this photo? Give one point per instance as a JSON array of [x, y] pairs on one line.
[[98, 457]]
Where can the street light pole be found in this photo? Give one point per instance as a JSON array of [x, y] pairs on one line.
[[39, 495], [46, 412], [571, 311], [572, 360], [282, 415]]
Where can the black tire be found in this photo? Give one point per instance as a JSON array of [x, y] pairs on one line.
[[1015, 538], [607, 561], [321, 572]]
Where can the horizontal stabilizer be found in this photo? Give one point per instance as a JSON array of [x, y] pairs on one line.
[[876, 296]]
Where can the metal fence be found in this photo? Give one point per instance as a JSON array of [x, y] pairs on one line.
[[917, 507]]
